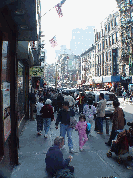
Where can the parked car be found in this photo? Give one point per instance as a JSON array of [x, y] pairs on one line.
[[110, 97]]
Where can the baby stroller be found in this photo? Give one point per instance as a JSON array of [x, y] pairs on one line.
[[121, 145]]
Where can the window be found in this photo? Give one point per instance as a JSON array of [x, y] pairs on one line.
[[102, 33], [107, 70], [21, 92], [116, 36], [106, 42], [110, 55], [108, 27], [103, 44], [115, 21], [113, 39], [103, 64], [131, 15], [110, 40], [110, 69], [5, 86], [106, 57], [111, 23]]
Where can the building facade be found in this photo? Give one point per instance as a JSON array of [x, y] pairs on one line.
[[88, 65], [108, 47], [17, 28], [126, 22]]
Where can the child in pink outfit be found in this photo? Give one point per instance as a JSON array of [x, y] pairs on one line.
[[81, 127]]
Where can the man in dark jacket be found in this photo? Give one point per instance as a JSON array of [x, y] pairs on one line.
[[60, 100], [64, 117], [54, 158]]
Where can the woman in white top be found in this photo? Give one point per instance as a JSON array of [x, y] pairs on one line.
[[39, 118], [89, 111]]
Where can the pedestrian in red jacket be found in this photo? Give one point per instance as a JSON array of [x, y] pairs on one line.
[[80, 103], [47, 115]]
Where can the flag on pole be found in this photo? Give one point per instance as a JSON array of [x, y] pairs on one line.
[[53, 42], [58, 8]]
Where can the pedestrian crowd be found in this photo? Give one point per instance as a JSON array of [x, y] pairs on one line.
[[49, 102]]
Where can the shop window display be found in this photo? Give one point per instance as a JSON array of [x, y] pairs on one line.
[[21, 97], [6, 90]]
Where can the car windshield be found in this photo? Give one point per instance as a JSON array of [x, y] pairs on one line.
[[106, 97]]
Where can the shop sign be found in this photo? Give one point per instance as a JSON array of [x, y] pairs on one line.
[[36, 71], [106, 79], [115, 78], [97, 79]]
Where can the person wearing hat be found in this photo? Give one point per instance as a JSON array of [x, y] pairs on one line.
[[47, 115]]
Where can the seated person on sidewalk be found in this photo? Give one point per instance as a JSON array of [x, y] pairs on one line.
[[54, 158]]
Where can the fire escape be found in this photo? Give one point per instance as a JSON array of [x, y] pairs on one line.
[[126, 18]]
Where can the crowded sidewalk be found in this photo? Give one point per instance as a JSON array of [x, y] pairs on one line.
[[92, 162]]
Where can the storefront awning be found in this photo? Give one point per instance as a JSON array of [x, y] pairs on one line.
[[97, 79], [106, 79], [20, 17], [115, 78]]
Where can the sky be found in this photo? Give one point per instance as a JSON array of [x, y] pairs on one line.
[[79, 19]]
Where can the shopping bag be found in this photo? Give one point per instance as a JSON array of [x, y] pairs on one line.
[[73, 122], [88, 128]]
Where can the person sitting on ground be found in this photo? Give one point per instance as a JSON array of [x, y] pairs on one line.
[[54, 158]]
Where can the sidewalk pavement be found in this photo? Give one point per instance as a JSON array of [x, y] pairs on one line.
[[92, 162]]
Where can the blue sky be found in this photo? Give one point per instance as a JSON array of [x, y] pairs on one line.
[[77, 15]]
